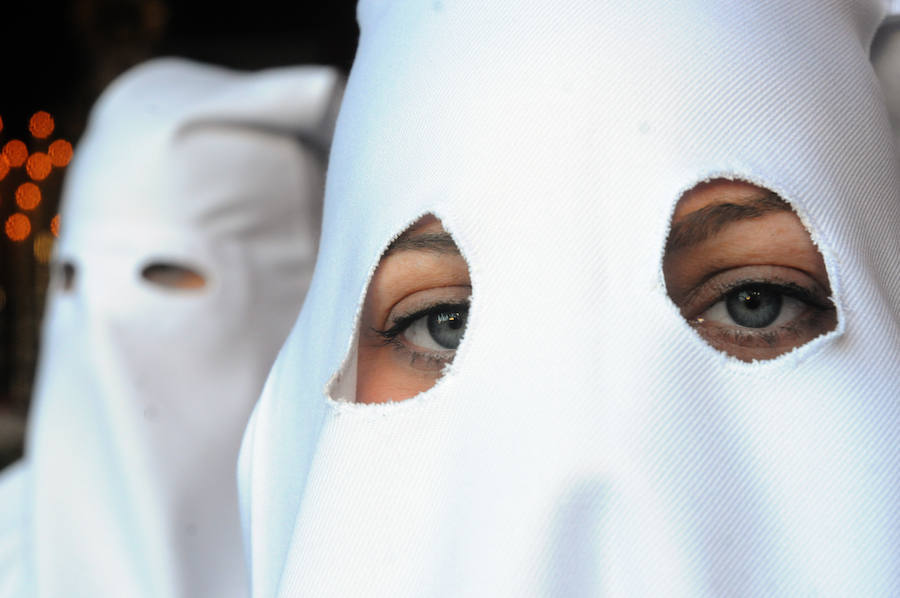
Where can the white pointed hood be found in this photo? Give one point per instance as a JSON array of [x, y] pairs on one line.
[[586, 441], [143, 391]]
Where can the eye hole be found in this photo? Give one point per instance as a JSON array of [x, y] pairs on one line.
[[67, 271], [744, 271], [414, 316], [173, 276]]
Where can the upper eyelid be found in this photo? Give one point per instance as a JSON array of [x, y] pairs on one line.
[[702, 287], [403, 322], [431, 301], [794, 291]]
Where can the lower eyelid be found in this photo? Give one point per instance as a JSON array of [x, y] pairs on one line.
[[808, 325], [420, 360]]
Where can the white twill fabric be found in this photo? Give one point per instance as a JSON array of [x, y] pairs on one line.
[[586, 441], [886, 60], [143, 391]]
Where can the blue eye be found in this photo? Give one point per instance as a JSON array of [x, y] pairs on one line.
[[446, 327], [754, 306], [430, 335], [438, 329], [759, 305]]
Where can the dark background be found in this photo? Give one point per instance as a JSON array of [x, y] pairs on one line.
[[58, 56]]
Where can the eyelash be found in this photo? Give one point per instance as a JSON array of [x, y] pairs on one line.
[[391, 336]]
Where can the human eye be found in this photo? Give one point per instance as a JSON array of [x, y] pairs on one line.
[[760, 316], [428, 336]]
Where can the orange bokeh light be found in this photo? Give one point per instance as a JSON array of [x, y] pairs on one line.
[[15, 152], [18, 227], [1, 123], [38, 166], [54, 225], [28, 196], [4, 167], [60, 152], [41, 124]]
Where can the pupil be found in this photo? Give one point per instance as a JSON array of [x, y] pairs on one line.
[[751, 300], [754, 306]]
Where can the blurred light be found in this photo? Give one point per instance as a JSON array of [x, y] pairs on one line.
[[4, 167], [54, 225], [18, 227], [28, 196], [60, 152], [43, 246], [2, 298], [38, 166], [1, 128], [15, 152], [41, 124]]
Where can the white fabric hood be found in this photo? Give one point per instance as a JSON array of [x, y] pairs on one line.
[[143, 391], [586, 441]]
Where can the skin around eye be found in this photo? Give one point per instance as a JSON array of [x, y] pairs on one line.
[[414, 315], [744, 272]]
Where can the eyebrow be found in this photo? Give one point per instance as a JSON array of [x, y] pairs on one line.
[[434, 242], [709, 221]]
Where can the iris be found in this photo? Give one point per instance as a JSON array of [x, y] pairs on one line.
[[754, 306], [446, 327]]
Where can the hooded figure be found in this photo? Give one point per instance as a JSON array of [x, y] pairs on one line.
[[592, 436], [190, 219]]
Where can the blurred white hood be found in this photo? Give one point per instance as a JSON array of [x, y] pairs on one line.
[[143, 391]]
